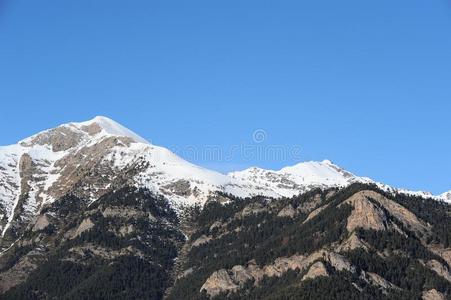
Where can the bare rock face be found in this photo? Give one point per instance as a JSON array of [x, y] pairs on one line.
[[92, 129], [444, 253], [288, 211], [433, 295], [201, 240], [400, 212], [316, 270], [352, 243], [60, 139], [339, 262], [85, 225], [179, 188], [439, 268], [315, 212], [41, 223], [378, 280], [224, 281], [85, 173], [219, 282], [365, 214]]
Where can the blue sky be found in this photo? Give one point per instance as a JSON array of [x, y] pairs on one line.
[[366, 84]]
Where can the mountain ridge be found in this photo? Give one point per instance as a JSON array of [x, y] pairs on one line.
[[92, 210], [91, 158]]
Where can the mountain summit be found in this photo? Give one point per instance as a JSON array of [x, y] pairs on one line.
[[91, 158], [92, 209]]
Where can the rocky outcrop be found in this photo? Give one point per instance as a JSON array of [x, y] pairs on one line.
[[226, 281], [179, 188], [288, 211], [85, 225], [315, 212], [365, 214], [378, 280], [444, 253], [41, 223], [439, 268], [407, 218], [316, 270], [60, 139], [219, 282], [433, 295], [351, 243], [201, 240]]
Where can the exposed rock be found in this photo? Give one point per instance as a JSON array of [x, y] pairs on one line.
[[126, 230], [92, 129], [85, 225], [365, 214], [219, 282], [41, 223], [287, 211], [433, 295], [400, 212], [316, 270], [444, 253], [185, 273], [339, 262], [315, 213], [60, 139], [78, 253], [352, 243], [439, 268], [126, 213], [215, 225], [377, 280], [239, 275], [201, 240], [179, 188]]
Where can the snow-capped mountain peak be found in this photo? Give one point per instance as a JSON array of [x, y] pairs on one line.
[[91, 158], [290, 181], [110, 127]]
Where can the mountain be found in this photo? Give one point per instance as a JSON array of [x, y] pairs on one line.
[[84, 202], [290, 181]]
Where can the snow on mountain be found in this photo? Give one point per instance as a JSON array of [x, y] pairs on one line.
[[290, 181], [446, 197], [112, 128], [89, 159]]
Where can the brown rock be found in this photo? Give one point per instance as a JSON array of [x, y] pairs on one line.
[[433, 295], [287, 211], [219, 282], [316, 270]]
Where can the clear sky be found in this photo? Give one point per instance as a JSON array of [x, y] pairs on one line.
[[366, 84]]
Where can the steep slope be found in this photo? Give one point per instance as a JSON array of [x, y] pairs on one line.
[[122, 246], [353, 243], [92, 158], [89, 159]]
